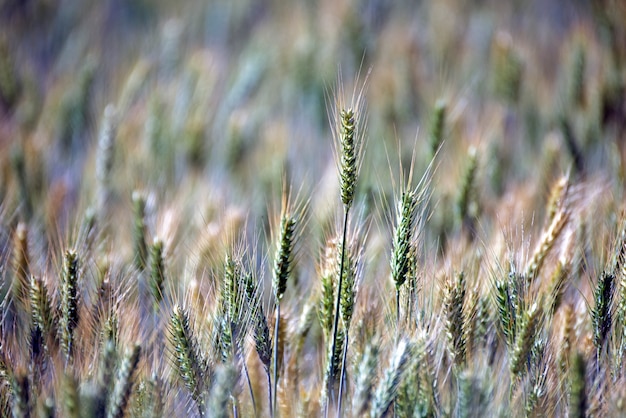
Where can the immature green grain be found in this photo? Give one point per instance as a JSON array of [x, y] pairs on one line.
[[466, 203], [69, 302], [157, 272], [186, 356], [71, 398], [283, 263], [365, 380], [505, 298], [578, 400], [333, 367], [106, 374], [403, 233], [10, 85], [455, 320], [221, 392], [402, 238], [283, 259], [260, 328], [348, 289], [526, 336], [388, 386], [347, 300], [437, 126], [41, 306], [230, 289], [139, 231], [601, 315], [20, 387], [576, 88], [18, 163], [350, 149], [105, 154], [124, 383], [328, 271], [473, 395], [507, 69]]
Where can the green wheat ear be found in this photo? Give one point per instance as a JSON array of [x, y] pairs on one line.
[[388, 386], [456, 329], [69, 302], [284, 255], [21, 267], [526, 337], [105, 155], [578, 387], [124, 383], [186, 356], [601, 315], [328, 271], [139, 231], [157, 272], [349, 156], [365, 378], [41, 307], [438, 126], [467, 203]]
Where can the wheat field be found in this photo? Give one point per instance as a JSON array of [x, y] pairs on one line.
[[264, 208]]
